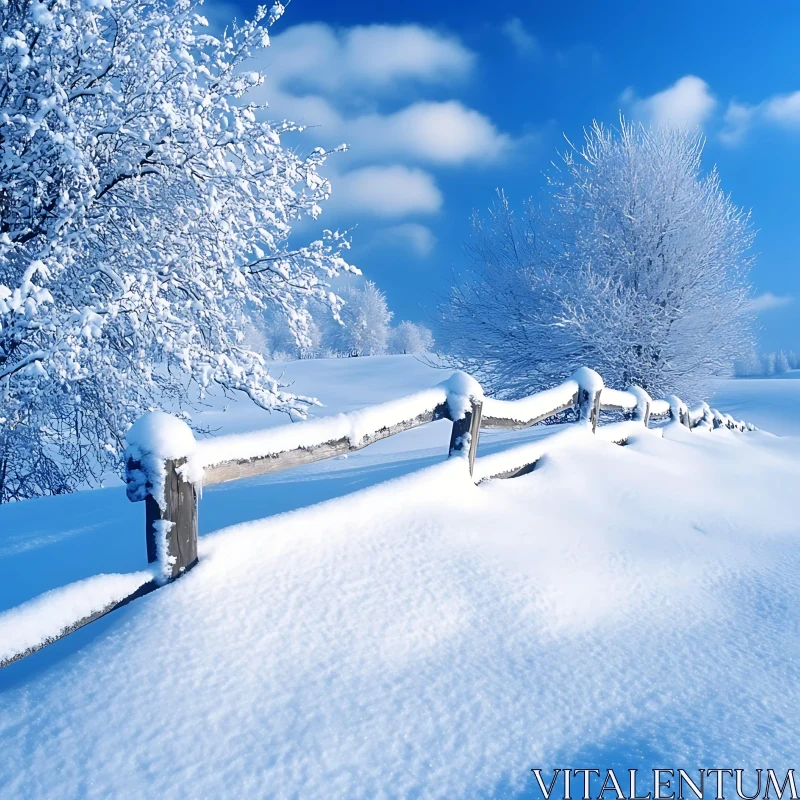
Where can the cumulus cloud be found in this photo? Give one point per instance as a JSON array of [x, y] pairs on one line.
[[444, 133], [341, 83], [782, 110], [412, 236], [737, 120], [687, 103], [314, 57], [525, 43], [387, 191], [768, 301], [308, 60]]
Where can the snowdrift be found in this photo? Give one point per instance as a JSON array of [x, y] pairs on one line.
[[618, 606]]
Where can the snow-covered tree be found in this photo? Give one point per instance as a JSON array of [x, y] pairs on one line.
[[408, 337], [365, 322], [638, 269], [145, 211], [749, 365], [781, 363]]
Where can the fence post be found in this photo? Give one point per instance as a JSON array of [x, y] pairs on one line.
[[643, 400], [708, 417], [171, 530], [153, 474], [590, 386], [466, 432], [678, 410]]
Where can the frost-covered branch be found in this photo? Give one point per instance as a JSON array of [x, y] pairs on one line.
[[139, 192]]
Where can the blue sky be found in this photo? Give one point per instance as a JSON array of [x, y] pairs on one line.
[[442, 102]]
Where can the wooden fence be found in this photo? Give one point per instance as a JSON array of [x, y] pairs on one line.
[[169, 487], [462, 403]]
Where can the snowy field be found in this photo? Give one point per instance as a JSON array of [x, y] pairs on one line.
[[401, 632]]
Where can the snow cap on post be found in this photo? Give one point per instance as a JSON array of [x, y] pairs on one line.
[[465, 408], [152, 440], [462, 390], [678, 410], [708, 416]]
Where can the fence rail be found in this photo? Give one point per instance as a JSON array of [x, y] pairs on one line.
[[166, 468]]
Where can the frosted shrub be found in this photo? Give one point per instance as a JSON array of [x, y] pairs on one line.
[[365, 317], [638, 269], [408, 337]]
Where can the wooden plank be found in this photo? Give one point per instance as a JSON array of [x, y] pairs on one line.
[[500, 423], [144, 589], [514, 473], [524, 469], [262, 465], [617, 400]]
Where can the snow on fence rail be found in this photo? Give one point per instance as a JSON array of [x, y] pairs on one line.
[[166, 467]]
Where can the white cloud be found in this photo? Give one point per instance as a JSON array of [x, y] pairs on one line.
[[386, 191], [781, 110], [445, 133], [314, 57], [319, 77], [737, 120], [338, 81], [687, 103], [411, 236], [768, 301], [526, 43]]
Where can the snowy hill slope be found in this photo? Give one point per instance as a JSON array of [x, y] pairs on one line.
[[424, 637], [771, 403]]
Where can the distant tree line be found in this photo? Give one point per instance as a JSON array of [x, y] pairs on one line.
[[363, 328], [762, 366]]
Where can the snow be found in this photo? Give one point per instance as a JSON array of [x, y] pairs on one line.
[[154, 437], [190, 310], [642, 401], [769, 403], [160, 435], [659, 408], [676, 406], [568, 436], [625, 400], [588, 380], [426, 636], [165, 561], [45, 617], [461, 390]]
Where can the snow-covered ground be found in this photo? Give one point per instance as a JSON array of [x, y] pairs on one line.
[[412, 634]]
